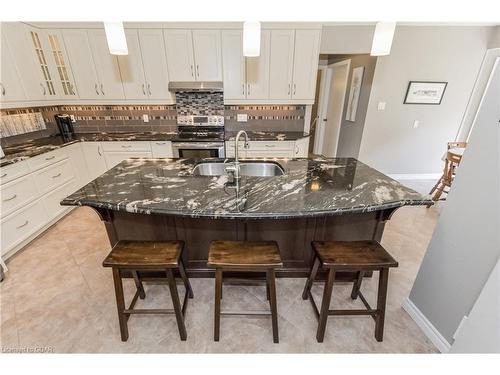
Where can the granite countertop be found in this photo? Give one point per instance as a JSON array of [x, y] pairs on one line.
[[268, 135], [308, 188]]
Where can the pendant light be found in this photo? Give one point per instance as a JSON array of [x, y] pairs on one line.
[[251, 38], [382, 38], [115, 35]]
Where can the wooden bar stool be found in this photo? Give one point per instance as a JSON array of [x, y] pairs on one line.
[[360, 256], [135, 256], [245, 256]]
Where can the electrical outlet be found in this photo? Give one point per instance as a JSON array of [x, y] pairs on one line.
[[243, 117], [381, 106], [72, 117], [145, 117], [416, 123]]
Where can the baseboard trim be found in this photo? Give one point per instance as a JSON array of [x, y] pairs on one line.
[[416, 176], [426, 326]]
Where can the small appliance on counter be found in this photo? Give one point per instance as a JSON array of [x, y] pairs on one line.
[[65, 126]]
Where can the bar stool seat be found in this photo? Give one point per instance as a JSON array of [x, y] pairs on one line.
[[136, 256], [360, 256], [245, 256]]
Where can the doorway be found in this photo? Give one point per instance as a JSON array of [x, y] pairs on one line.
[[332, 93]]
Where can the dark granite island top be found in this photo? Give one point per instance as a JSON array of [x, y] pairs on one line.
[[308, 188]]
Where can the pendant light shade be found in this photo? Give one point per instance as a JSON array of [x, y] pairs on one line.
[[251, 39], [382, 38], [115, 35]]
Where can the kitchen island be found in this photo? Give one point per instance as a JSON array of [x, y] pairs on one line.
[[305, 200]]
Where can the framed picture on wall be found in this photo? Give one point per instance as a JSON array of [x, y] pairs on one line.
[[421, 92], [355, 90]]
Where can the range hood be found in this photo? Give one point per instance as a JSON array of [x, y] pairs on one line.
[[195, 86]]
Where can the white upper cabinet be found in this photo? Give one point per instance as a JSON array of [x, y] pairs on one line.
[[82, 63], [305, 63], [131, 68], [11, 88], [257, 70], [234, 64], [207, 55], [154, 61], [281, 64], [180, 58], [110, 83]]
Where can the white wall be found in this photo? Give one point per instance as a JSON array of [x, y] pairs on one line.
[[453, 54]]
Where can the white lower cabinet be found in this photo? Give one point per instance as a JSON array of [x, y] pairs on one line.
[[301, 148], [269, 149], [51, 201], [115, 158], [94, 159], [49, 178], [161, 149], [16, 194]]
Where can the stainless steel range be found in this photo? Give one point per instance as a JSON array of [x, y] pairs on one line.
[[199, 137]]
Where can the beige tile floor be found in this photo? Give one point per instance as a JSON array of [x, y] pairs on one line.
[[57, 294]]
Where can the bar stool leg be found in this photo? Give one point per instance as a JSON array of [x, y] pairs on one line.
[[271, 281], [185, 279], [218, 293], [310, 279], [177, 305], [325, 305], [381, 300], [138, 285], [267, 289], [120, 304], [357, 285]]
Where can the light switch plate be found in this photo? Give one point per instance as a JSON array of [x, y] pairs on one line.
[[381, 106], [242, 117], [145, 117], [72, 117]]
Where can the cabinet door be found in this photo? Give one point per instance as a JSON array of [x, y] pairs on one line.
[[131, 68], [110, 82], [11, 88], [257, 69], [305, 63], [154, 60], [281, 64], [180, 60], [207, 55], [82, 63], [301, 147], [94, 158], [233, 63]]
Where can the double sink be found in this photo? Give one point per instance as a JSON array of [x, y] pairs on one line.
[[253, 168]]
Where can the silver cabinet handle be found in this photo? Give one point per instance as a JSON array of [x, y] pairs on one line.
[[4, 174], [143, 89], [102, 90], [126, 146], [296, 150], [197, 70], [96, 90], [3, 89], [11, 198], [243, 89], [72, 91], [270, 145], [289, 89], [99, 150], [50, 157], [23, 225], [43, 87], [57, 175], [248, 89], [161, 143], [149, 89], [294, 88], [192, 74]]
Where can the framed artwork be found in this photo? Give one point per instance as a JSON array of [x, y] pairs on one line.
[[355, 90], [421, 92]]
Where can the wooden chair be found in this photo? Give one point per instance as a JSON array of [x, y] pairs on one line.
[[359, 256], [136, 256], [451, 163], [245, 256]]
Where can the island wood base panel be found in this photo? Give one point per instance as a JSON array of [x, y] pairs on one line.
[[294, 236]]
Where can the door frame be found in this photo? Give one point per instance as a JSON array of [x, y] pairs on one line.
[[323, 100]]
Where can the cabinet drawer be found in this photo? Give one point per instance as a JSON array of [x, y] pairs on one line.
[[270, 145], [54, 176], [126, 146], [269, 154], [52, 200], [10, 172], [16, 194], [20, 225], [46, 159], [161, 149]]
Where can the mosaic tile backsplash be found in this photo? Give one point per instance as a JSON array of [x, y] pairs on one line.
[[199, 103]]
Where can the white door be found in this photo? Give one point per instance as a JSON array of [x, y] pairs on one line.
[[233, 64], [339, 73], [154, 60], [305, 64], [22, 54], [82, 63], [94, 158], [11, 88], [180, 60], [207, 55], [257, 69], [131, 68], [281, 64], [110, 82]]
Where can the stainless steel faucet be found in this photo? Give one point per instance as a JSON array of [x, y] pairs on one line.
[[234, 169]]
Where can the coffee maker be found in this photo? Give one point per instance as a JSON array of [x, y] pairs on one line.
[[65, 127]]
